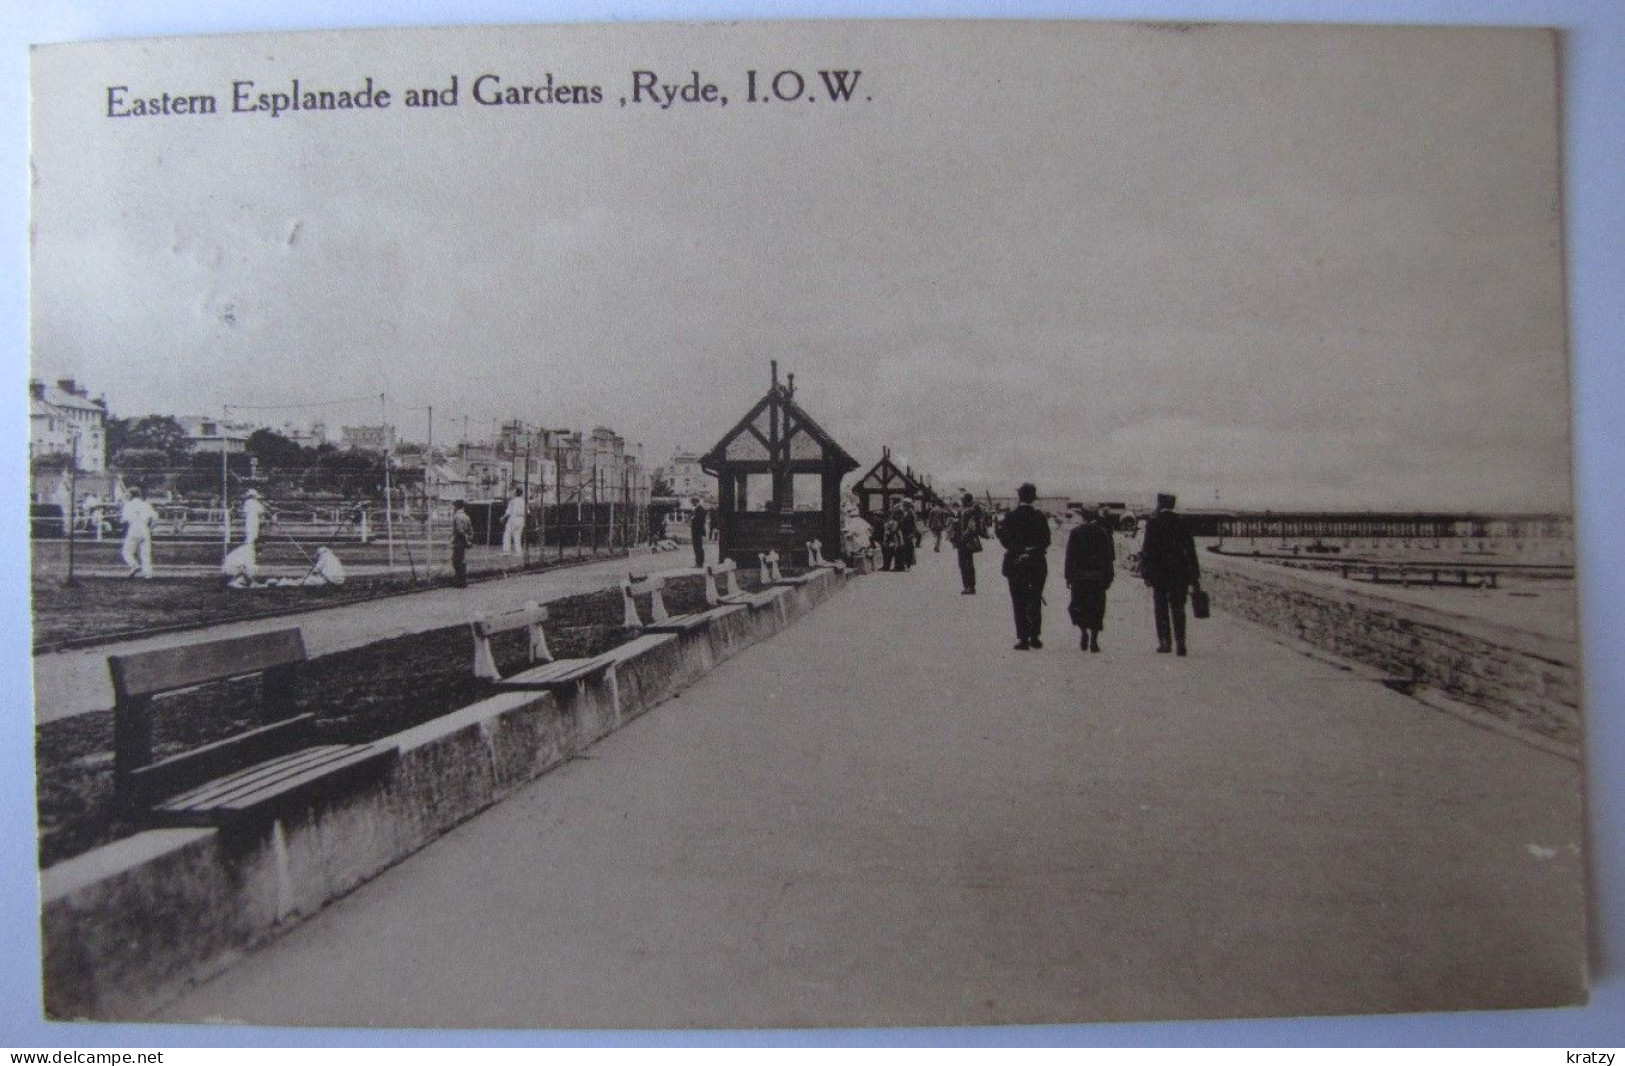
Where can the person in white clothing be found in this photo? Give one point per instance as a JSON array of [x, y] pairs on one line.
[[93, 511], [139, 518], [240, 566], [327, 571], [513, 524], [64, 500], [253, 516]]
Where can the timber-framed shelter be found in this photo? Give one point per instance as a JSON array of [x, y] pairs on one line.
[[892, 484], [779, 479]]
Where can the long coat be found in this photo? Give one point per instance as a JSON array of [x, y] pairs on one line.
[[1090, 555], [1025, 535], [1168, 552]]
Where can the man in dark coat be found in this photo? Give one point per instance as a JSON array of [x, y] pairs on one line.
[[966, 532], [462, 535], [1090, 558], [1168, 564], [696, 532], [1026, 537], [909, 533]]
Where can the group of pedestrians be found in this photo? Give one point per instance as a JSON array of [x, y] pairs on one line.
[[1168, 565], [900, 536]]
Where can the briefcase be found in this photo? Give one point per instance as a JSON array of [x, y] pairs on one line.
[[1199, 604]]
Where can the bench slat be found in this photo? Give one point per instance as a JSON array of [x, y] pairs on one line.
[[682, 623], [490, 625], [638, 645], [187, 769], [250, 778], [756, 601], [148, 673], [555, 674], [344, 768]]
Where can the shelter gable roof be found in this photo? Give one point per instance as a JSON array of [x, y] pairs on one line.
[[887, 475], [805, 423]]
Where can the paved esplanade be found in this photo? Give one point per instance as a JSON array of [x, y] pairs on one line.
[[73, 682], [885, 816]]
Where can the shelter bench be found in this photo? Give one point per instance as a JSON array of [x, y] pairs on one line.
[[252, 776], [544, 672], [722, 576], [771, 574], [816, 560], [660, 620]]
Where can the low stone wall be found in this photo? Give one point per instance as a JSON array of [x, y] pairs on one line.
[[1528, 682], [127, 927]]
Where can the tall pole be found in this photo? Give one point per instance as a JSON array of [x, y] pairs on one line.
[[428, 499], [225, 497], [524, 545], [73, 498], [389, 513]]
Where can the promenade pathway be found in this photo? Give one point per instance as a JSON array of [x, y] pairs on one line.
[[885, 816], [75, 681]]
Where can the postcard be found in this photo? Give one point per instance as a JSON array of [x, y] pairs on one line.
[[819, 524]]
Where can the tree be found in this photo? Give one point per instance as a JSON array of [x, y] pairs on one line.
[[142, 459], [154, 433], [274, 451], [45, 462]]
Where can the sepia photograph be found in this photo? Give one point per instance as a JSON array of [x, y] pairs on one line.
[[787, 525]]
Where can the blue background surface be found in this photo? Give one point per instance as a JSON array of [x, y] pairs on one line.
[[1593, 84]]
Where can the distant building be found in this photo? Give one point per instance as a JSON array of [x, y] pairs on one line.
[[314, 437], [483, 472], [682, 472], [61, 414], [380, 439], [207, 434]]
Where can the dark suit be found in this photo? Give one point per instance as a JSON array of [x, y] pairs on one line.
[[696, 531], [968, 529], [1026, 537], [1169, 565]]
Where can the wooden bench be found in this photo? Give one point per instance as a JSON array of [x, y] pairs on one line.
[[772, 576], [816, 560], [724, 572], [254, 775], [660, 620], [545, 673]]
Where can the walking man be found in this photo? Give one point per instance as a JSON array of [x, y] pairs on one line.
[[697, 531], [966, 533], [1169, 566], [139, 519], [462, 535], [513, 524], [909, 536], [1026, 537]]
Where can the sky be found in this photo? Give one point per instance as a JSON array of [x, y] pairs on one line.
[[1259, 266]]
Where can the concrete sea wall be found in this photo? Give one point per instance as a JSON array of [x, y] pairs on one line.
[[127, 927], [1526, 682]]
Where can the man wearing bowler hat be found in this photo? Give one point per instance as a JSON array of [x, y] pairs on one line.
[[1025, 535]]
